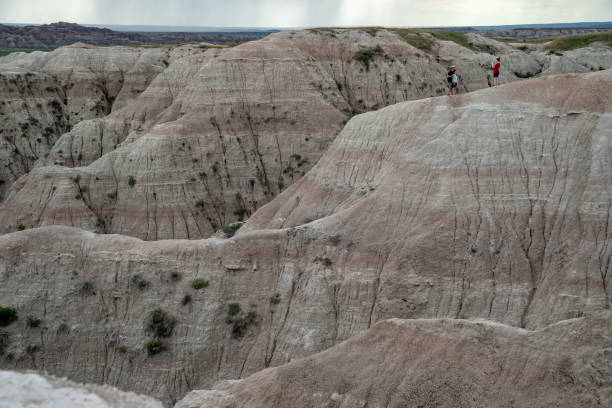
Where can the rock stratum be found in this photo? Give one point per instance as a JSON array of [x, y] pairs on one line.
[[205, 136], [493, 204]]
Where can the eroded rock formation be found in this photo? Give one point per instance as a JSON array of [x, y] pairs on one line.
[[489, 205], [438, 363], [220, 132]]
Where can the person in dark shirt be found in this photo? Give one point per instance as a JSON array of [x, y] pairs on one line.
[[496, 65], [451, 77]]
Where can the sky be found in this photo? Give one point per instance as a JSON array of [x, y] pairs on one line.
[[305, 13]]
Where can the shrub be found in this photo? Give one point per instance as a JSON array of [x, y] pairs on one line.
[[367, 54], [131, 181], [240, 322], [32, 348], [233, 309], [20, 227], [186, 299], [275, 299], [199, 283], [112, 196], [473, 250], [240, 211], [122, 349], [398, 77], [231, 229], [155, 346], [161, 323], [175, 275], [7, 315], [33, 321], [140, 282], [324, 261]]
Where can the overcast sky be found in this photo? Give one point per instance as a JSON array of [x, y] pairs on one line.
[[305, 13]]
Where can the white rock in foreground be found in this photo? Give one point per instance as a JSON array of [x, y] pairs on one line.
[[29, 390]]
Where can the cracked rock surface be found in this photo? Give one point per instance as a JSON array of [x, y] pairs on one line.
[[198, 138], [489, 205]]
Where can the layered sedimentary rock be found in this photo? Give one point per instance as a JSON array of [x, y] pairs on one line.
[[222, 131], [439, 363], [31, 389], [490, 205], [44, 95]]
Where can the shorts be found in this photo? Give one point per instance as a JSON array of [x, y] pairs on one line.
[[453, 85], [496, 75]]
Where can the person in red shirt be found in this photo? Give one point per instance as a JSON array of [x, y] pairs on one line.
[[496, 65]]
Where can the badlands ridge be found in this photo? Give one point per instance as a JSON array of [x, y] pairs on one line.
[[439, 251]]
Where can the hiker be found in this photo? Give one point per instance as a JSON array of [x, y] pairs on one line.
[[496, 65], [451, 77]]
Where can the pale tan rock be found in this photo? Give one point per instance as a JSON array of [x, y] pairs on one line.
[[222, 131], [438, 363], [489, 205]]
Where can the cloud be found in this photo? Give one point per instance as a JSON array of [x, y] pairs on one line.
[[299, 13]]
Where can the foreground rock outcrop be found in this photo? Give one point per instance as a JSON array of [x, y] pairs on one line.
[[489, 205], [439, 363], [30, 389], [221, 131]]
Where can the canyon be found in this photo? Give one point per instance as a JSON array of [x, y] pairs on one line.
[[235, 218]]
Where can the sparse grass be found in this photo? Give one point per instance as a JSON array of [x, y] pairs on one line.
[[7, 315], [572, 42], [33, 321], [233, 309], [161, 323], [199, 283], [415, 38]]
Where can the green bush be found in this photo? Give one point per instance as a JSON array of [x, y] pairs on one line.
[[20, 227], [186, 299], [33, 321], [199, 283], [122, 349], [324, 261], [161, 323], [7, 315], [131, 181], [275, 299], [233, 309], [140, 282], [231, 229], [366, 55], [155, 346]]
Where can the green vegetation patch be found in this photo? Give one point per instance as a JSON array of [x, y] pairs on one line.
[[7, 315], [199, 283], [161, 323], [572, 42], [33, 321], [366, 55]]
